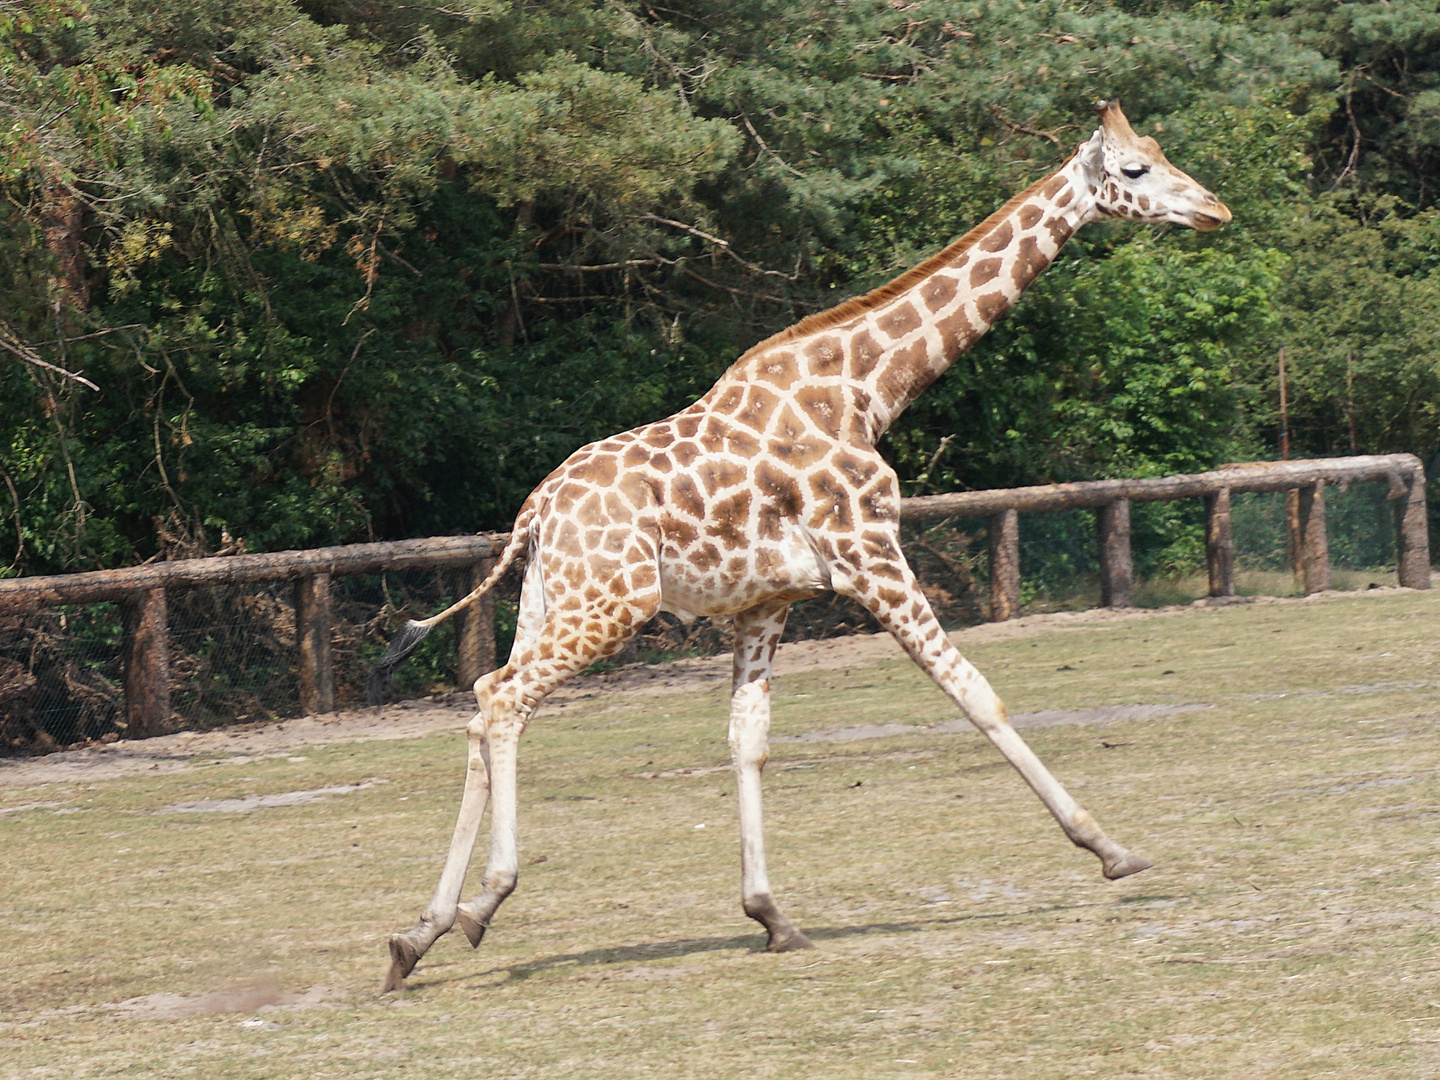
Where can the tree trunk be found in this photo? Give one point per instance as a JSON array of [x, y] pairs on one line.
[[62, 216]]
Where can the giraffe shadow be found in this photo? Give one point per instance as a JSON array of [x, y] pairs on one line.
[[751, 943]]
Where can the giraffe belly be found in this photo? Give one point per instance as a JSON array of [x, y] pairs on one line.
[[789, 569]]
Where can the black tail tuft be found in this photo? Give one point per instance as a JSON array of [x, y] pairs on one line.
[[378, 682]]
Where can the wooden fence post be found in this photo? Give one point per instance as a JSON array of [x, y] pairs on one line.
[[147, 665], [1412, 536], [1117, 571], [1004, 565], [1314, 545], [1219, 544], [1294, 543], [475, 636], [312, 636]]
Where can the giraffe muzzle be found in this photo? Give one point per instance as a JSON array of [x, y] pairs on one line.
[[1212, 217]]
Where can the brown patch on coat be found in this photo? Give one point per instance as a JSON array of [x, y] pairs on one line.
[[729, 399], [1029, 262], [880, 503], [678, 530], [742, 443], [599, 470], [998, 240], [991, 306], [984, 272], [956, 333], [685, 454], [856, 469], [832, 502], [685, 497], [779, 370], [908, 372], [759, 404], [718, 473], [794, 443], [865, 353], [938, 291], [824, 405], [824, 356], [899, 321], [706, 557], [1029, 215]]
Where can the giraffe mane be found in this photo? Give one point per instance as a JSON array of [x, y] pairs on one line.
[[883, 294]]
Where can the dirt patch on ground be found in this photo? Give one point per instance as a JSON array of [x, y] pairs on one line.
[[261, 802], [1103, 714], [251, 998], [410, 719]]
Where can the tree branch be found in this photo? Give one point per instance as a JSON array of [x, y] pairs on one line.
[[30, 358]]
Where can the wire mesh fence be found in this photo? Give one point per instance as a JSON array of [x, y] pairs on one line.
[[232, 656], [233, 648]]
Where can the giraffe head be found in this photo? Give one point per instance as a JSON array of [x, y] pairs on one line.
[[1133, 179]]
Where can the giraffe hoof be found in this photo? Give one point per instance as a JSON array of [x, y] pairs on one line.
[[1130, 864], [788, 940], [473, 927], [403, 958]]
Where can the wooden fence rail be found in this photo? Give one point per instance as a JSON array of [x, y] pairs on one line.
[[142, 589], [1403, 474]]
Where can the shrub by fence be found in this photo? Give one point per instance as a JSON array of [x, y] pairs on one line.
[[213, 640]]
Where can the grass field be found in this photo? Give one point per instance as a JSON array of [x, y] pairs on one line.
[[1289, 928]]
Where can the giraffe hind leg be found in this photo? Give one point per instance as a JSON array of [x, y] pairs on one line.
[[568, 642], [548, 651]]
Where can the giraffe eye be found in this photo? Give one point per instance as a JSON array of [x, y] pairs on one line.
[[1134, 172]]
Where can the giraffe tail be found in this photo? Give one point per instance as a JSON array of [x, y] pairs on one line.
[[377, 683]]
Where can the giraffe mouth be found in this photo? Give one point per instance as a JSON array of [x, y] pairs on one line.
[[1205, 220]]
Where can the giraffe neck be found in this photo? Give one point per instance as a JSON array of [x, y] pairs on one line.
[[891, 344], [903, 346]]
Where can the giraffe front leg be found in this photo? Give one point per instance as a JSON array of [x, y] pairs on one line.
[[892, 595], [757, 632], [439, 915]]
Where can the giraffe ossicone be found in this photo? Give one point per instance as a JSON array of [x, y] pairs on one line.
[[767, 490]]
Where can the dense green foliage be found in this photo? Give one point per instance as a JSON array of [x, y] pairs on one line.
[[345, 270]]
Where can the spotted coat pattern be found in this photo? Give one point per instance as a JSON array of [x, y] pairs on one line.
[[769, 489]]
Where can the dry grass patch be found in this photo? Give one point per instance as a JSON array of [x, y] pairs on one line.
[[1288, 929]]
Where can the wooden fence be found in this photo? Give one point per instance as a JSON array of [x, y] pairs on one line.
[[142, 589], [1303, 481]]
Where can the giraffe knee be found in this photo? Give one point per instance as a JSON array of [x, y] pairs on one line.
[[485, 685]]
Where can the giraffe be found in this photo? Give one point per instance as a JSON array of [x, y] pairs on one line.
[[766, 490]]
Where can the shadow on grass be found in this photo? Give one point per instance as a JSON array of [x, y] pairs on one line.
[[752, 943]]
